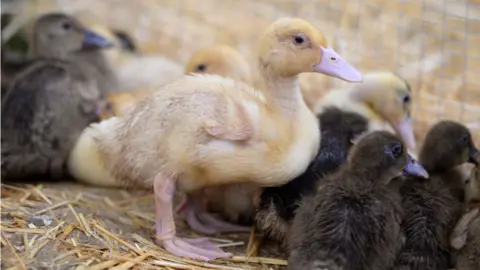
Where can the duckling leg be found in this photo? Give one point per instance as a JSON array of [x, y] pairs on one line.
[[221, 225], [201, 249], [204, 222]]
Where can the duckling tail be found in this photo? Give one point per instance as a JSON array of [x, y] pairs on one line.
[[86, 164]]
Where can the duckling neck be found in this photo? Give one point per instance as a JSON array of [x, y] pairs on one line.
[[371, 174], [361, 93], [284, 93]]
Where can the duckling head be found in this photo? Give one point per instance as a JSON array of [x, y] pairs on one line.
[[390, 97], [290, 46], [57, 35], [383, 155], [222, 60], [447, 145]]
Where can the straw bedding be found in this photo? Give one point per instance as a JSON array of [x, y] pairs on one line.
[[68, 226]]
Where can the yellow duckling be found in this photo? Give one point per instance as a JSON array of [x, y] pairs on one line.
[[207, 130], [383, 98]]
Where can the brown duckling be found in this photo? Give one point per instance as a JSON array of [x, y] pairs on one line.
[[89, 60], [353, 220], [277, 205], [465, 238], [381, 100], [50, 102], [432, 208]]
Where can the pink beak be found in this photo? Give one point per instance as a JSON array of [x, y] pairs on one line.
[[332, 64], [404, 130]]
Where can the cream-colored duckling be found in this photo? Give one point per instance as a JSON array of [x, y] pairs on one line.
[[207, 130], [383, 98], [222, 60]]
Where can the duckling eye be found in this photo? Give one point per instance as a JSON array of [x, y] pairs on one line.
[[396, 149], [465, 138], [298, 40], [201, 67], [66, 26], [406, 99]]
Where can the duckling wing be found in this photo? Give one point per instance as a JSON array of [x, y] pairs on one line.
[[229, 122]]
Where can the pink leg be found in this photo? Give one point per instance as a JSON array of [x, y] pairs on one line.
[[200, 249], [221, 225], [204, 222], [181, 206]]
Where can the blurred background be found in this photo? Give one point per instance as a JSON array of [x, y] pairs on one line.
[[434, 44]]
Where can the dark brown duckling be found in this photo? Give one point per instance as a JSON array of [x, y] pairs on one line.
[[432, 208], [50, 102], [465, 238], [353, 220], [277, 205]]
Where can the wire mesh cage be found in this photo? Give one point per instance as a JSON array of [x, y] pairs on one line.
[[434, 45]]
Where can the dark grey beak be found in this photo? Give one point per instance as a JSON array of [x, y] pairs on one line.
[[414, 168], [474, 154], [92, 40]]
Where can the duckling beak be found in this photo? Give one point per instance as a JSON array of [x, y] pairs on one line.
[[404, 129], [414, 168], [332, 64], [92, 40], [474, 156]]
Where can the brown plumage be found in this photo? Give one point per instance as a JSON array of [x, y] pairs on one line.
[[50, 102], [465, 238], [206, 130], [433, 207], [277, 205], [90, 61], [353, 220]]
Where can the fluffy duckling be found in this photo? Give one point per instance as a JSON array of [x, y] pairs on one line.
[[465, 237], [222, 60], [278, 205], [433, 207], [91, 62], [353, 220], [384, 98], [207, 130], [50, 103]]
